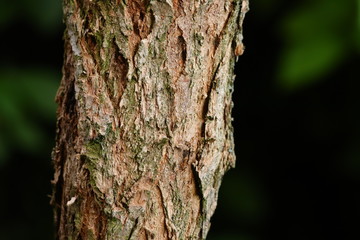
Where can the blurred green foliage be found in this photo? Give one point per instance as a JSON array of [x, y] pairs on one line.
[[28, 83], [318, 36], [27, 93], [26, 98], [251, 207], [45, 15]]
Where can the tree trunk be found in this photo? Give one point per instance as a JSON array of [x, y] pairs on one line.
[[144, 131]]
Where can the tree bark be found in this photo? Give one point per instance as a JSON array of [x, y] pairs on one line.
[[144, 131]]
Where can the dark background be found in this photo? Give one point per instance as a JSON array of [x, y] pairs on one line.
[[297, 122]]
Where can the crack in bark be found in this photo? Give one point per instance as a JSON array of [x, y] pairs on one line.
[[206, 103], [162, 202], [142, 18], [199, 192], [133, 228], [116, 80]]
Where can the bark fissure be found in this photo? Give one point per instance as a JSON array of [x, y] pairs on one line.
[[144, 120]]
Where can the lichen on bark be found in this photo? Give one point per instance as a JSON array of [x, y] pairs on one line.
[[144, 130]]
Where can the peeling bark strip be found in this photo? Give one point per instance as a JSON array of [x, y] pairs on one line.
[[144, 121]]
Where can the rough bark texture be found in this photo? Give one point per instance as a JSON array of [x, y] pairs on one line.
[[144, 120]]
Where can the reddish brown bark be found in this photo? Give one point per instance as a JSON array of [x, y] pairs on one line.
[[144, 120]]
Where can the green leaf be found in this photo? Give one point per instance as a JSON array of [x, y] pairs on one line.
[[316, 40], [17, 130], [305, 63], [316, 18], [26, 96]]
